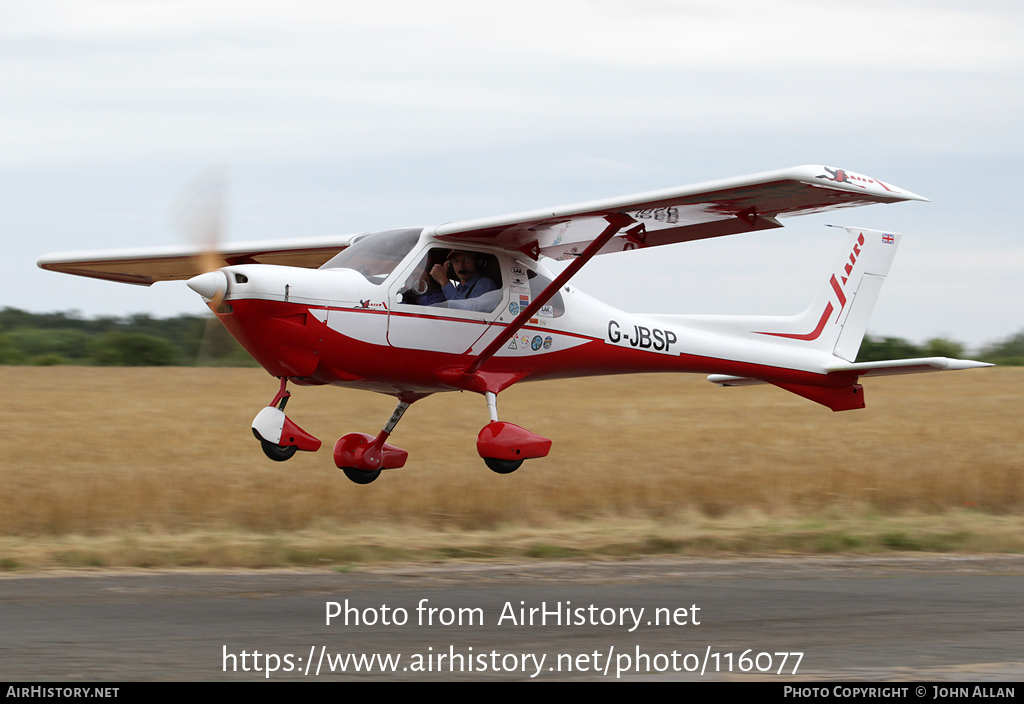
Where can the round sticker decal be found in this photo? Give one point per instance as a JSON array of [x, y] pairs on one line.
[[547, 342], [536, 343]]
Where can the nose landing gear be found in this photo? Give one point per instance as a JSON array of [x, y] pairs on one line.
[[278, 435]]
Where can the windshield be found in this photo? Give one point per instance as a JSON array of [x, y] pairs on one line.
[[375, 256]]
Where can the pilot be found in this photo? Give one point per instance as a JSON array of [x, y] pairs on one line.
[[472, 283]]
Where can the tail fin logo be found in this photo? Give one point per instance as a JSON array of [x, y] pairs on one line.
[[854, 255]]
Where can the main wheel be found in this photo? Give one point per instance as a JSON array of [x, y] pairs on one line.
[[360, 476], [502, 466], [278, 453]]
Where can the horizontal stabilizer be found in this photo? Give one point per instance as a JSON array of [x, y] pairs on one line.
[[907, 366], [888, 367], [850, 396]]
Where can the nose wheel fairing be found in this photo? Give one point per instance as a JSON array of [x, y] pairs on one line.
[[273, 426], [277, 433]]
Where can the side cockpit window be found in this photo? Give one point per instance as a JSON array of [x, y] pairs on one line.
[[376, 256], [457, 279], [555, 307]]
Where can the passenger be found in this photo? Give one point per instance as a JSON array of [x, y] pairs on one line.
[[472, 283]]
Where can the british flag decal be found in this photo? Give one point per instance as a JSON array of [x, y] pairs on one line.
[[888, 239]]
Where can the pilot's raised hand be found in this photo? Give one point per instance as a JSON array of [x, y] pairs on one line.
[[438, 274]]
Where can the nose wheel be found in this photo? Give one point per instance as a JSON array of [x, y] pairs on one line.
[[278, 453]]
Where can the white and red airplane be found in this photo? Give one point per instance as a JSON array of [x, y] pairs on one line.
[[368, 311]]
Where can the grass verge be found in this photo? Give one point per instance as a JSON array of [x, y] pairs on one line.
[[347, 547]]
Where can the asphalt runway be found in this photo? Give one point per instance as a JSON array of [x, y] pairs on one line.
[[886, 618]]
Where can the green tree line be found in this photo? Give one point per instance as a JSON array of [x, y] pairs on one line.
[[191, 340], [136, 341]]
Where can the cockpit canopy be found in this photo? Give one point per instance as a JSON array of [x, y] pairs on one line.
[[376, 256]]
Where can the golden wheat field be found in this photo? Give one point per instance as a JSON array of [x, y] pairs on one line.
[[157, 466]]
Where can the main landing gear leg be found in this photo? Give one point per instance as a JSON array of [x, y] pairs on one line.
[[362, 457], [504, 446], [278, 435]]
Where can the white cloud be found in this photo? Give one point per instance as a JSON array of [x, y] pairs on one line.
[[116, 80]]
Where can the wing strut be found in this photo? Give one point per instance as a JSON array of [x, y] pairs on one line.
[[616, 221]]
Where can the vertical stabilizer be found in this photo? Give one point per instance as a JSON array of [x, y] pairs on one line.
[[837, 319]]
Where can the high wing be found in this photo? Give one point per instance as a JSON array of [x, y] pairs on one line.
[[712, 209], [149, 265]]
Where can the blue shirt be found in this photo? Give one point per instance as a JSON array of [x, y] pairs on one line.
[[470, 295], [477, 286]]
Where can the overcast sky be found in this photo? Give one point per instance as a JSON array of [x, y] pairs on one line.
[[338, 117]]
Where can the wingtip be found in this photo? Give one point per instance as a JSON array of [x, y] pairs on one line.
[[844, 178], [914, 196], [967, 364]]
